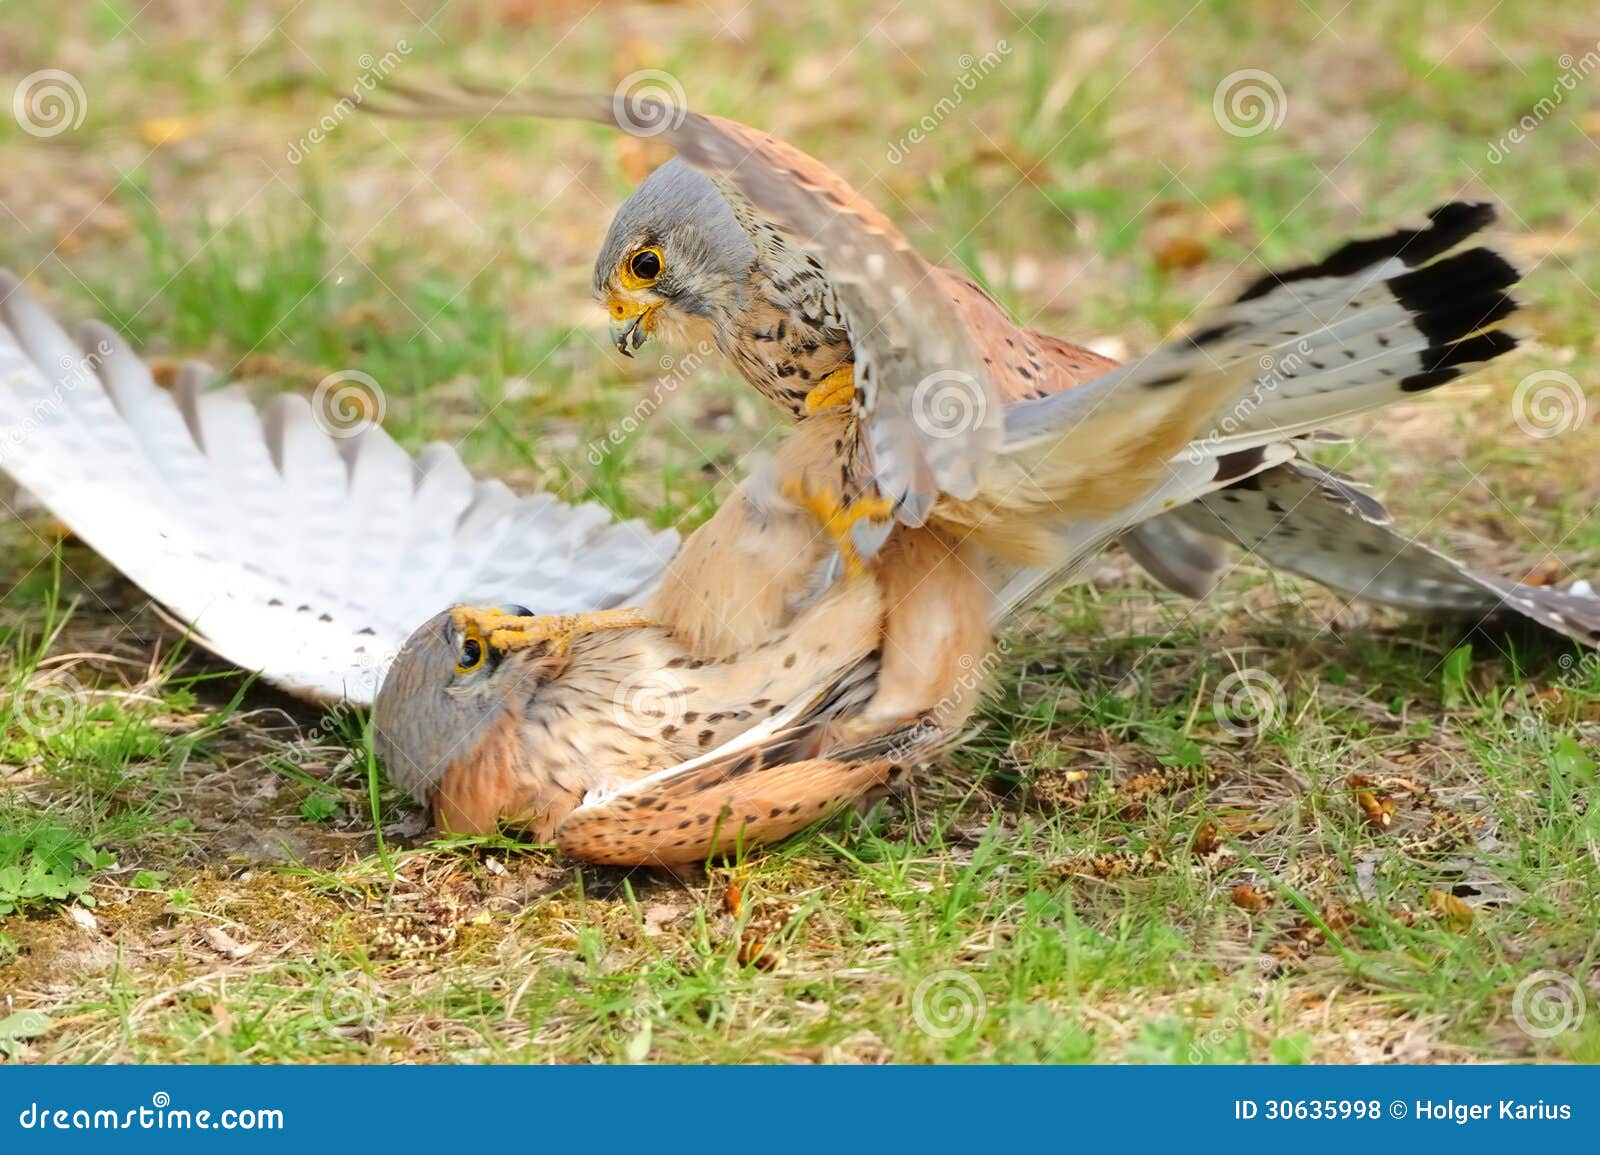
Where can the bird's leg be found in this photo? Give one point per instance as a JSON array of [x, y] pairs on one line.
[[513, 631], [837, 388], [838, 517], [938, 651]]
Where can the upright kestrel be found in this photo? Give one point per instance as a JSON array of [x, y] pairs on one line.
[[1005, 439]]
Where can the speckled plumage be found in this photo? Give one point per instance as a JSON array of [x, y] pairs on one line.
[[911, 325], [763, 678], [531, 738], [767, 306], [1063, 451], [783, 328]]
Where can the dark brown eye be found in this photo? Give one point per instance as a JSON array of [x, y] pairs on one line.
[[471, 656], [645, 264]]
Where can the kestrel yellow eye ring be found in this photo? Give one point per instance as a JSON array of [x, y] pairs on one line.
[[642, 269], [473, 653]]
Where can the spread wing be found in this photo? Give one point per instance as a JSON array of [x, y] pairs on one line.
[[304, 556], [929, 414], [1310, 521]]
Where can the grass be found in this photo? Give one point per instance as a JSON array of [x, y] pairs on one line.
[[1107, 870]]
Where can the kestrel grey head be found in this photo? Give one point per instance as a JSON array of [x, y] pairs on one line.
[[675, 258], [442, 699]]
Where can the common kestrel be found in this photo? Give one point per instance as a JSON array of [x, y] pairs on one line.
[[631, 744], [1007, 440]]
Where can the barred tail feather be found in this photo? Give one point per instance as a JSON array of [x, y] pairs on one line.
[[1307, 521], [1375, 321]]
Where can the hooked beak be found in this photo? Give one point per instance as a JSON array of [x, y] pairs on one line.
[[629, 332]]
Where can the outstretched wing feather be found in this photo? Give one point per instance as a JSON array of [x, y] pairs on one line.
[[290, 551]]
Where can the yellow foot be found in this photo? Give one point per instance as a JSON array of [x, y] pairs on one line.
[[512, 631], [837, 388], [838, 517]]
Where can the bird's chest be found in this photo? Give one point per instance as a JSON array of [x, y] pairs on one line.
[[790, 338], [630, 704]]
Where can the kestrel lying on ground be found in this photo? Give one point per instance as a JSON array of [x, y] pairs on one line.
[[628, 745]]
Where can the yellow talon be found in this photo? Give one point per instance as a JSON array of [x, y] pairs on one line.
[[838, 517], [513, 631], [837, 388]]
